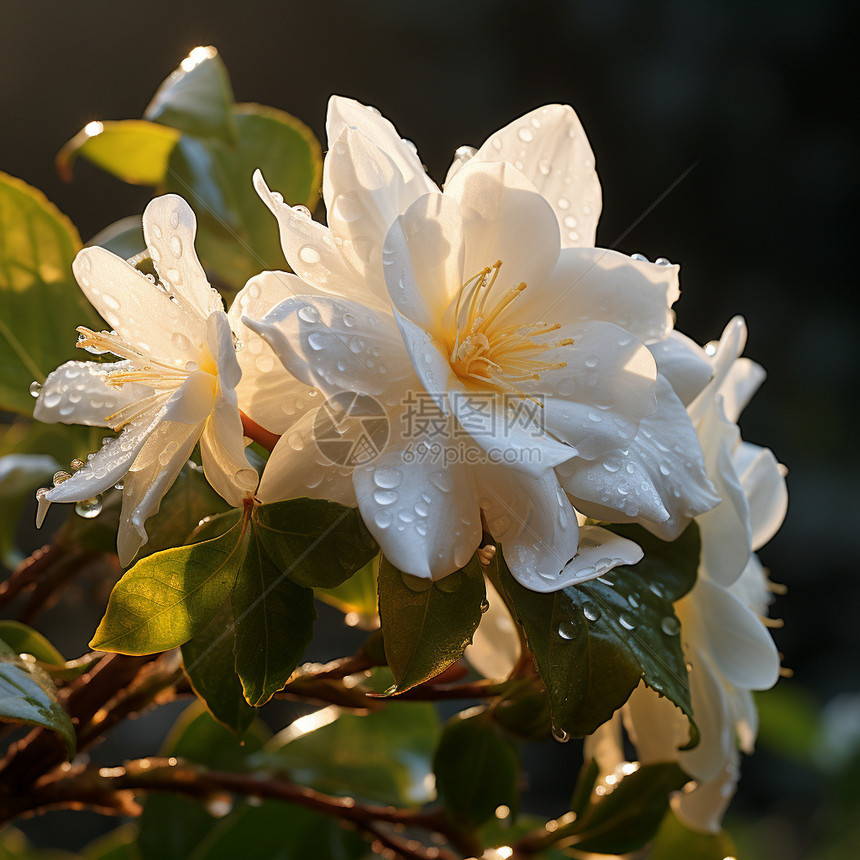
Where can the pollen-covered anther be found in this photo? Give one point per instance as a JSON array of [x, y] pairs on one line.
[[483, 351]]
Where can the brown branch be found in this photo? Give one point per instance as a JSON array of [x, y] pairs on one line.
[[259, 434], [28, 572], [100, 786]]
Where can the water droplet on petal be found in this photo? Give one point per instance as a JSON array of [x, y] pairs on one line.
[[387, 477], [641, 258], [309, 255], [35, 388], [118, 485], [525, 134], [662, 261], [89, 508]]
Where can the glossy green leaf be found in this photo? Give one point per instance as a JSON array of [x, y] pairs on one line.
[[37, 246], [20, 476], [237, 235], [524, 711], [594, 642], [674, 841], [427, 625], [133, 150], [28, 695], [23, 639], [383, 757], [357, 594], [276, 831], [189, 501], [170, 596], [476, 770], [313, 541], [274, 623], [628, 816], [197, 98], [211, 666]]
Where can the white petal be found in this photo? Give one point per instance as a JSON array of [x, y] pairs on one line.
[[505, 219], [108, 465], [656, 727], [605, 746], [153, 473], [423, 259], [424, 515], [596, 401], [366, 192], [549, 146], [169, 227], [751, 587], [722, 356], [75, 393], [598, 284], [739, 644], [710, 710], [599, 551], [495, 648], [267, 392], [658, 480], [220, 338], [192, 402], [337, 345], [508, 436], [429, 361], [684, 363], [725, 530], [297, 468], [742, 381], [344, 112], [310, 250], [533, 521], [223, 451], [763, 483], [704, 808], [140, 312]]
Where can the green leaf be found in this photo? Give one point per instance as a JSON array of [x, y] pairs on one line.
[[211, 666], [170, 596], [628, 816], [524, 711], [37, 246], [189, 501], [28, 695], [172, 827], [427, 625], [14, 845], [276, 831], [20, 476], [237, 235], [25, 640], [315, 542], [133, 150], [476, 770], [197, 97], [118, 844], [357, 594], [674, 841], [382, 757], [594, 642], [274, 623]]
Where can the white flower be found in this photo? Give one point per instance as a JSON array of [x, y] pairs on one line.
[[727, 646], [174, 386], [495, 307]]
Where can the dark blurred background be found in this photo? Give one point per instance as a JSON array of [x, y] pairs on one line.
[[759, 99]]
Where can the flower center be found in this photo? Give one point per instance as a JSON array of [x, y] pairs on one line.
[[485, 351], [163, 377]]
